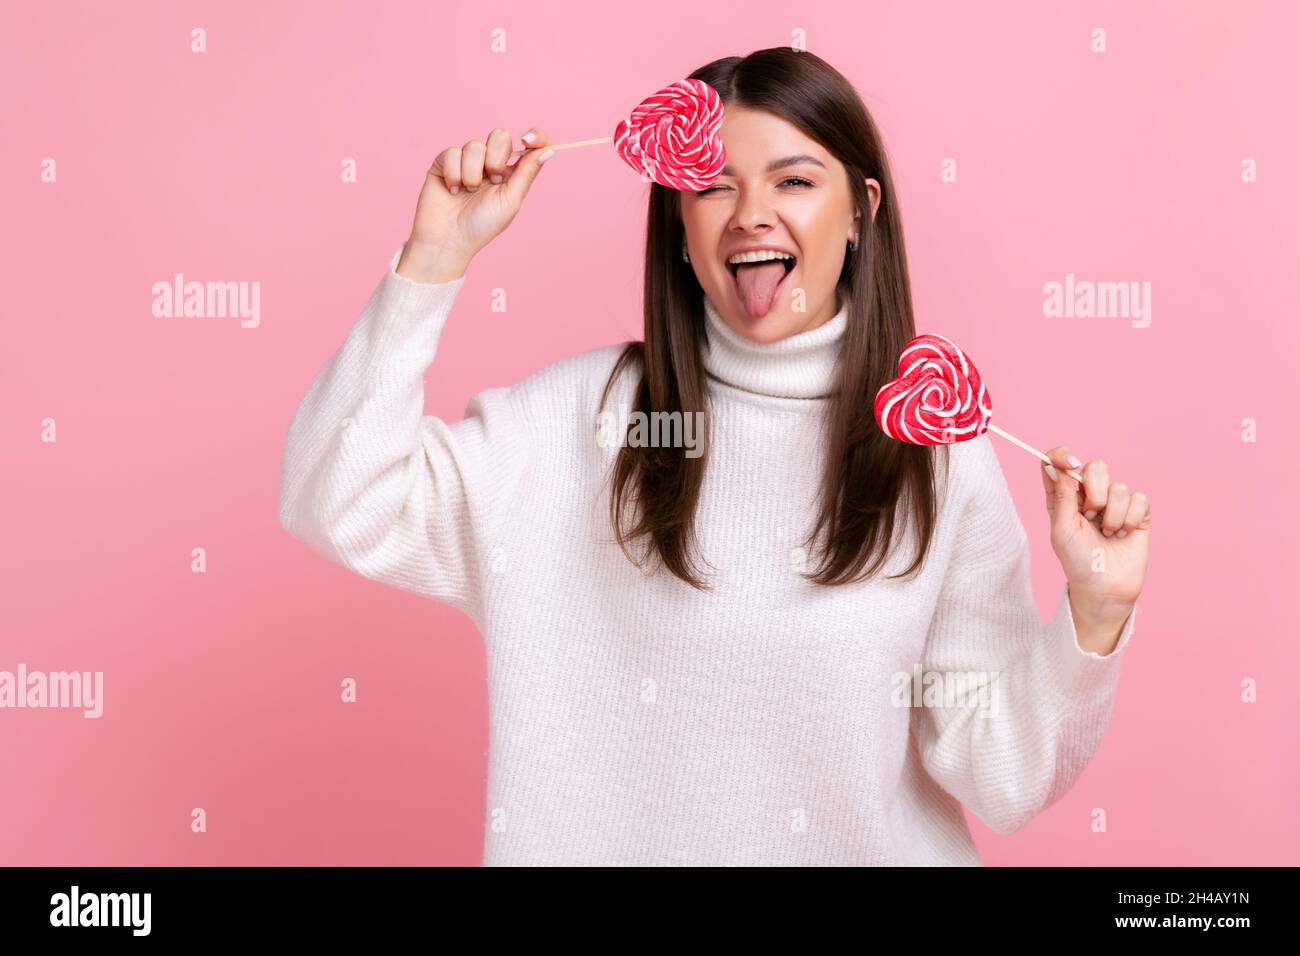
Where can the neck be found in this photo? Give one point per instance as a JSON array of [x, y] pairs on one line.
[[799, 366]]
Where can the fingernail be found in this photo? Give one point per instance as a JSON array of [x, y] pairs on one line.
[[1107, 532], [529, 136], [545, 154], [1074, 462], [1121, 532], [454, 190], [1090, 515], [1051, 472], [497, 178]]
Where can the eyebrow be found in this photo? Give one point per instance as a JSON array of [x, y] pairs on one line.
[[776, 164]]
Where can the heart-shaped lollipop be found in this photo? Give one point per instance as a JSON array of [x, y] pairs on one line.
[[939, 398], [673, 137]]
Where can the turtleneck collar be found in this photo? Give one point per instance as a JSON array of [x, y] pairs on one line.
[[800, 366]]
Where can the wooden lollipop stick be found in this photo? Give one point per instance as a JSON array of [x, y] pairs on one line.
[[1033, 451], [574, 144]]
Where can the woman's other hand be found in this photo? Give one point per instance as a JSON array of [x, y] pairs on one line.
[[469, 196], [1100, 533]]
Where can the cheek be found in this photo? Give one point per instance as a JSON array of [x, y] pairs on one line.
[[702, 222], [823, 256], [820, 237]]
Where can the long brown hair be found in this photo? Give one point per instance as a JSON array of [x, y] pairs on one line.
[[655, 490]]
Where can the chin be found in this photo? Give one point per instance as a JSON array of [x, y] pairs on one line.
[[773, 327]]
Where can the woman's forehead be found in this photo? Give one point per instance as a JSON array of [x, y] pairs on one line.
[[758, 141]]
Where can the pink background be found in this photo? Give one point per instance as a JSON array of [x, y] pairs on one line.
[[222, 689]]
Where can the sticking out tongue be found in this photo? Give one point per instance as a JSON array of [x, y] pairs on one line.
[[757, 284]]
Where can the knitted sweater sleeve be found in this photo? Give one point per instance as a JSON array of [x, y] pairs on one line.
[[373, 484], [1044, 703]]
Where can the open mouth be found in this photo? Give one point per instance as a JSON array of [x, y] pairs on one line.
[[758, 284]]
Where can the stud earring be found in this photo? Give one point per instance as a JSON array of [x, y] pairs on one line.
[[686, 256], [853, 246]]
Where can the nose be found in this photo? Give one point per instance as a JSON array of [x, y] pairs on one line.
[[752, 211]]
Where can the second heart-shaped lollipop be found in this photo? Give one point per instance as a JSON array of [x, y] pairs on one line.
[[939, 398]]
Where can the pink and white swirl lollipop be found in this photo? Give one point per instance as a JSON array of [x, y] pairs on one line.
[[672, 137], [939, 398]]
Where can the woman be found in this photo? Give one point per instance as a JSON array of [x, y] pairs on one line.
[[749, 655]]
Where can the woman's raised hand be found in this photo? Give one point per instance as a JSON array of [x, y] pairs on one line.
[[1101, 535], [469, 197]]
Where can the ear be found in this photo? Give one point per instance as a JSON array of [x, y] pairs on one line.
[[873, 187]]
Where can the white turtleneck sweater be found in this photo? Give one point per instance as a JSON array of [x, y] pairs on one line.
[[636, 720]]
